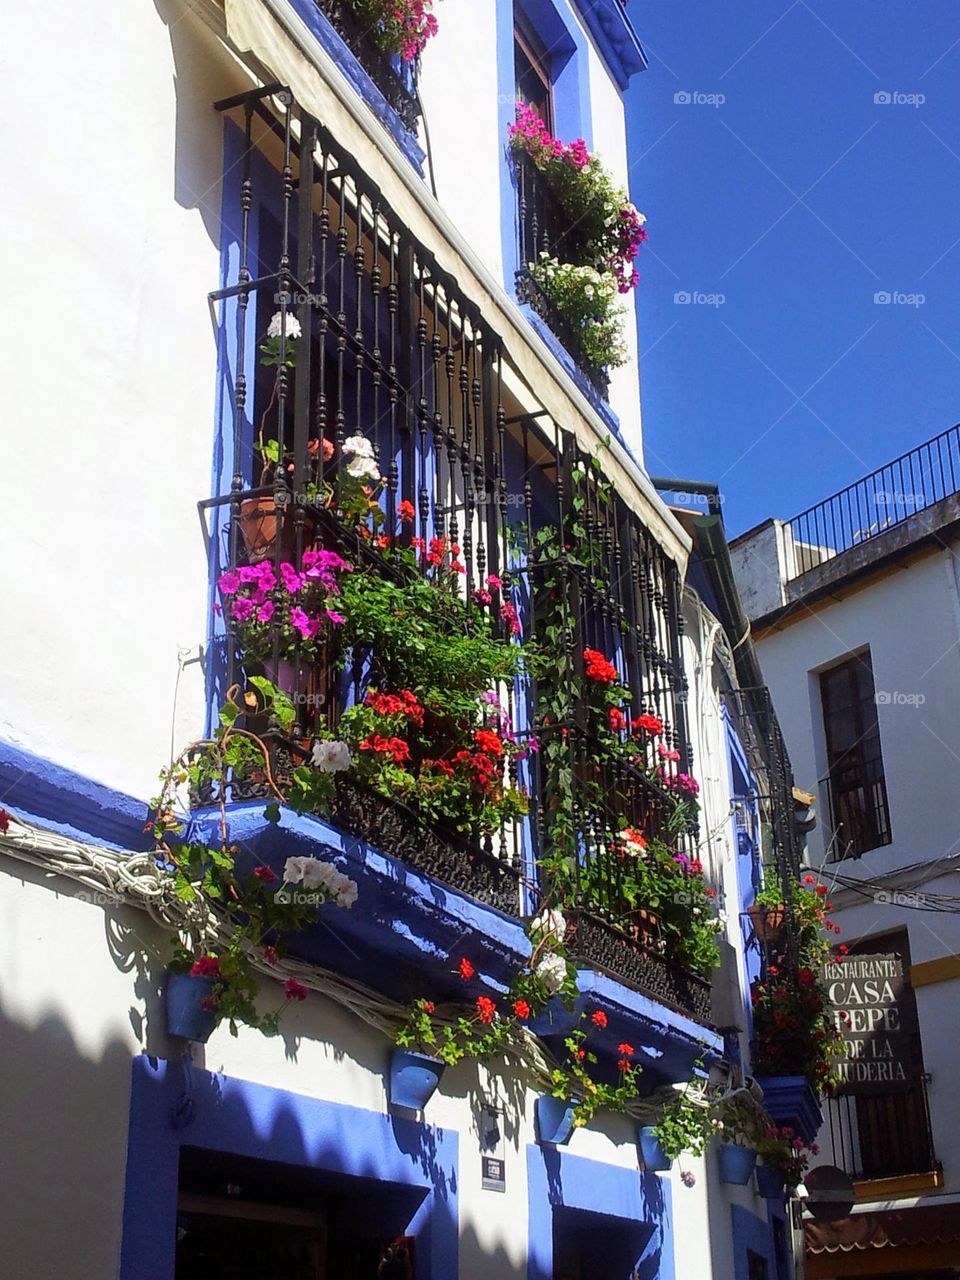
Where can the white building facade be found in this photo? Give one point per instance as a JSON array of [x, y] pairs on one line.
[[226, 162], [855, 617]]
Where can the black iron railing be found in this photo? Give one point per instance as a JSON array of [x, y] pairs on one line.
[[883, 1136], [545, 227], [880, 501], [396, 80], [391, 349], [858, 809]]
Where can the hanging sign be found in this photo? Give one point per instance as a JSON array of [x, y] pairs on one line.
[[869, 1002]]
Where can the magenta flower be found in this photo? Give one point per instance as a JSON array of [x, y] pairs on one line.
[[302, 622], [229, 582], [336, 618], [241, 609], [292, 580], [266, 611]]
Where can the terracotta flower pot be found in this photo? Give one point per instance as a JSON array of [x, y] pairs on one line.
[[260, 521], [768, 922]]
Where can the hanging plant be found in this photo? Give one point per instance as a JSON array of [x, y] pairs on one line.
[[400, 27]]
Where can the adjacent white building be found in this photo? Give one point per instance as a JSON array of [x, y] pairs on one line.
[[855, 615]]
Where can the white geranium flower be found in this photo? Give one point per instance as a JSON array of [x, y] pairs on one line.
[[348, 894], [359, 446], [552, 972], [363, 468], [331, 757], [551, 924], [277, 326], [294, 868]]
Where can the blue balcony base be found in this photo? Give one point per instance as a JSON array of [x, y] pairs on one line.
[[791, 1100]]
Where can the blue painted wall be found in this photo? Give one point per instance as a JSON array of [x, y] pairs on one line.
[[629, 1210], [255, 1121]]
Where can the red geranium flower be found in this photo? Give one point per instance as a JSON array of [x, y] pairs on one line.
[[623, 1065], [270, 955], [486, 1009], [264, 873], [581, 1053], [294, 990], [428, 1006], [489, 742], [466, 969], [806, 977], [521, 1009], [206, 967], [649, 724], [618, 720], [626, 1050], [598, 667], [843, 949], [406, 512], [599, 1018], [4, 821], [821, 889]]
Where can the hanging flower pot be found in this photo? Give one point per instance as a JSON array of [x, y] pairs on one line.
[[653, 1158], [413, 1078], [768, 922], [736, 1163], [554, 1120], [260, 521], [186, 1015], [770, 1182]]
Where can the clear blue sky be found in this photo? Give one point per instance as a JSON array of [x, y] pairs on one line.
[[798, 199]]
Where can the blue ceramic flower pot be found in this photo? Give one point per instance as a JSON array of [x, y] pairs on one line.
[[554, 1120], [413, 1078], [770, 1182], [186, 1016], [653, 1158], [736, 1163]]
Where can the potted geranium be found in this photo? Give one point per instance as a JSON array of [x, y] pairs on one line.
[[784, 1154], [685, 1126]]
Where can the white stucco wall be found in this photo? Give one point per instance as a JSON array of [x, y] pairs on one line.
[[111, 238], [908, 618], [80, 996]]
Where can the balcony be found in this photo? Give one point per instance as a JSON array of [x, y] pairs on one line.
[[396, 80], [544, 227], [378, 430], [884, 1142]]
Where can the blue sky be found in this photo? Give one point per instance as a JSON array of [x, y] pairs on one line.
[[796, 199]]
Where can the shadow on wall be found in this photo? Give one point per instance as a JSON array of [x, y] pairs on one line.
[[63, 1133], [201, 77]]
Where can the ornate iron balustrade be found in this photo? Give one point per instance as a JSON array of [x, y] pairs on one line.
[[880, 501], [544, 227], [397, 81], [883, 1135], [391, 349]]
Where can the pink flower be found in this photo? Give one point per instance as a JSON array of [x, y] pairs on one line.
[[292, 580], [336, 618], [266, 611], [302, 622], [494, 582], [206, 967], [265, 874], [229, 582], [294, 990], [241, 609]]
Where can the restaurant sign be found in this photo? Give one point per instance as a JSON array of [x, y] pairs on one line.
[[870, 1005]]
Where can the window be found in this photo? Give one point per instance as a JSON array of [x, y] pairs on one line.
[[756, 1266], [532, 64], [859, 817]]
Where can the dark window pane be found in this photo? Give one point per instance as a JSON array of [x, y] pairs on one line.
[[859, 813]]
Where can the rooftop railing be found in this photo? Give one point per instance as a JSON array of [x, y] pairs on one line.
[[880, 501]]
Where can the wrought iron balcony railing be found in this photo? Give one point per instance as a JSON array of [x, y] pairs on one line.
[[392, 350], [883, 1136], [396, 80], [544, 227], [880, 501]]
